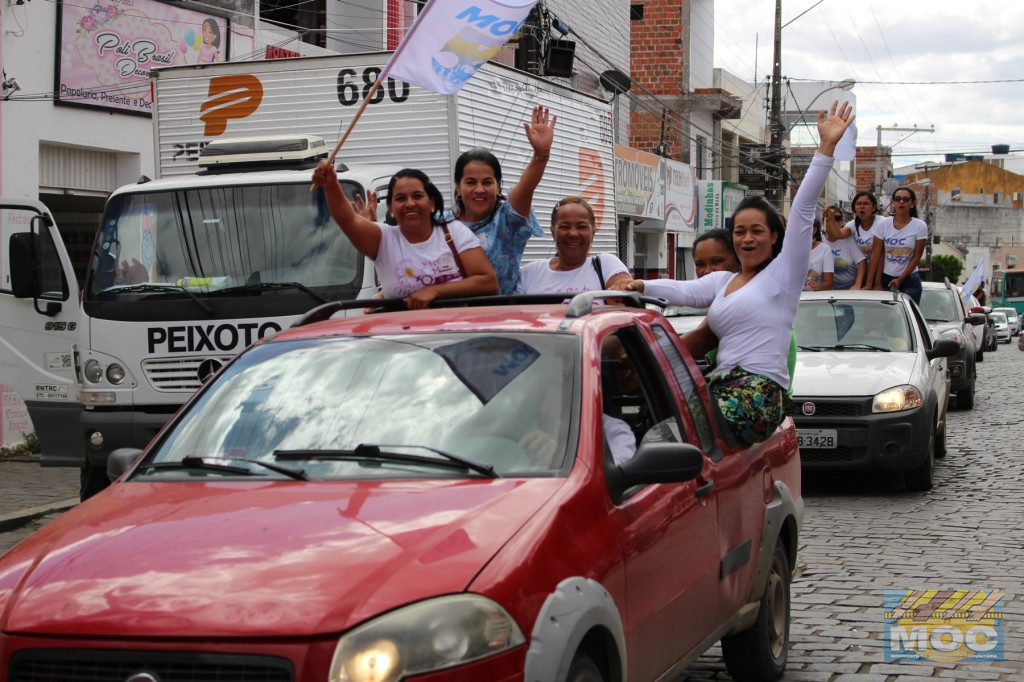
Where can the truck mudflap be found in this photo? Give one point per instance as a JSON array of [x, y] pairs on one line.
[[58, 439], [576, 607]]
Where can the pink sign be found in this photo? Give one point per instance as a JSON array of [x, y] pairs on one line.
[[107, 50], [14, 421]]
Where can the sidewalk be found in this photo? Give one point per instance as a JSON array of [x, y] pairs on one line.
[[28, 490]]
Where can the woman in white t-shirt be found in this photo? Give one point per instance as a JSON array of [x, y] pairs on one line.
[[422, 258], [820, 266], [849, 264], [572, 270], [899, 245]]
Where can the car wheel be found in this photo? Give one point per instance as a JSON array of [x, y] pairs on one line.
[[583, 669], [759, 653], [920, 479], [965, 398], [979, 355], [940, 443]]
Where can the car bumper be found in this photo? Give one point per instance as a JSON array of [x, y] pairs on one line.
[[864, 441]]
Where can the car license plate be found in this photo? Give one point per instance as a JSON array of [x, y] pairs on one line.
[[817, 439]]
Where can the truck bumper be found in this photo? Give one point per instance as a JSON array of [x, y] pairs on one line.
[[56, 428], [117, 429]]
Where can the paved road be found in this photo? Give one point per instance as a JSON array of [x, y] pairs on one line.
[[861, 536]]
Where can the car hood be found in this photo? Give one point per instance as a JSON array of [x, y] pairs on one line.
[[239, 559], [850, 373]]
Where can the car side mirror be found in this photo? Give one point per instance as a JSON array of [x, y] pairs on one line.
[[120, 461], [943, 348], [663, 463], [976, 318]]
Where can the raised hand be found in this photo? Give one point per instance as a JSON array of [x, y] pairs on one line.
[[541, 130], [832, 128]]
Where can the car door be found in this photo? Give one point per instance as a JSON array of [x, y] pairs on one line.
[[739, 479], [667, 533], [937, 370], [39, 327]]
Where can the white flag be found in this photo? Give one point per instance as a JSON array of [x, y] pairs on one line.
[[451, 39], [974, 281]]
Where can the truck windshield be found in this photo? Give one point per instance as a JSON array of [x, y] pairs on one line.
[[211, 239]]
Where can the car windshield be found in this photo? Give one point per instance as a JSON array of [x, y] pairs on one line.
[[999, 318], [1009, 312], [938, 305], [385, 407], [854, 326]]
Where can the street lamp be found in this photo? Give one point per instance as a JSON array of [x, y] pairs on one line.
[[845, 85], [784, 190]]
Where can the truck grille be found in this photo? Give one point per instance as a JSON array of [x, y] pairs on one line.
[[181, 374], [80, 665]]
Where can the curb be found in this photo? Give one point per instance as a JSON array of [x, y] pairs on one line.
[[20, 518]]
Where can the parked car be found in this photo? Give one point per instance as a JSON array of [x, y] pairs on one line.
[[989, 342], [1012, 317], [426, 495], [870, 390], [1002, 326], [947, 317]]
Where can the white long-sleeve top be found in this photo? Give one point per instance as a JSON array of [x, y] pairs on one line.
[[754, 323]]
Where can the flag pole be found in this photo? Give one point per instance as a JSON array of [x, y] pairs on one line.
[[352, 124]]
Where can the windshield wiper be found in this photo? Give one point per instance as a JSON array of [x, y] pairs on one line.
[[211, 464], [813, 349], [166, 288], [270, 286], [860, 346], [380, 451]]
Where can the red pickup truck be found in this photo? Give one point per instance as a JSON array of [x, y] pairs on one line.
[[535, 491]]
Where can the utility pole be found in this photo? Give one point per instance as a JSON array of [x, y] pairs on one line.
[[878, 151], [777, 186]]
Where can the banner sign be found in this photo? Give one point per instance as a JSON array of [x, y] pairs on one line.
[[106, 50], [636, 184]]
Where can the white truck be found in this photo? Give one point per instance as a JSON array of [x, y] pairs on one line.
[[188, 269]]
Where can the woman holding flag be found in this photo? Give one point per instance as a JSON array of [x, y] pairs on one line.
[[503, 226], [423, 257]]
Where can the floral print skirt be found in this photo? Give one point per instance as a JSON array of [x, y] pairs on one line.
[[752, 404]]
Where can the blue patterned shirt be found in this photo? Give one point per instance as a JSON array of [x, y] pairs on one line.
[[503, 238]]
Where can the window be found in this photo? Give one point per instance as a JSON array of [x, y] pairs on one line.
[[52, 285], [685, 380]]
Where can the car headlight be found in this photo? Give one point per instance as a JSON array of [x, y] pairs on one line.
[[93, 371], [898, 398], [424, 637]]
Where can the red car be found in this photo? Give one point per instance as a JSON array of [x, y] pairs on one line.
[[529, 492]]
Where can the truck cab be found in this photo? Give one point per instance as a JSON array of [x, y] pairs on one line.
[[187, 271]]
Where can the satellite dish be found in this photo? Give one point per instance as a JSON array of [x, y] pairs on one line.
[[615, 81]]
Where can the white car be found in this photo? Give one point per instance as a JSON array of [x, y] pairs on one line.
[[1012, 317], [1002, 327], [870, 390]]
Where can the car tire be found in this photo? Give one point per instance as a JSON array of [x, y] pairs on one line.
[[940, 443], [920, 479], [584, 669], [759, 653], [965, 398], [979, 355]]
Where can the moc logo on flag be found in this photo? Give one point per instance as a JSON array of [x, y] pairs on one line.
[[451, 39], [946, 626]]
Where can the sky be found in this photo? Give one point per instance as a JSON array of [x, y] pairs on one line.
[[916, 62]]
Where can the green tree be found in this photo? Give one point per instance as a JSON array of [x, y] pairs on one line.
[[943, 266]]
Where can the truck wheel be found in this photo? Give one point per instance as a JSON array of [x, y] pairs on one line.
[[583, 669], [91, 480], [920, 479], [759, 653]]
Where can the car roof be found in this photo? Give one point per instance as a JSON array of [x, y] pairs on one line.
[[850, 295], [503, 315]]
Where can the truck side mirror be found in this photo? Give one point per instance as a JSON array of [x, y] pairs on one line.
[[24, 265]]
